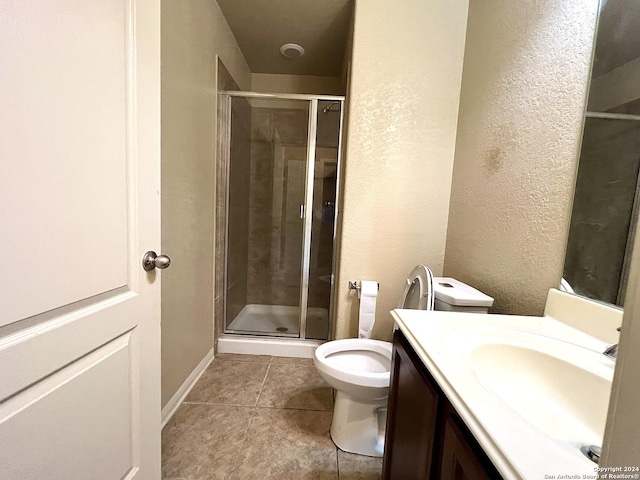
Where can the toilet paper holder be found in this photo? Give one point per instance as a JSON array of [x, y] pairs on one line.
[[355, 286]]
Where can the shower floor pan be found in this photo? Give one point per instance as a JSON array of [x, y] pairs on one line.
[[280, 320]]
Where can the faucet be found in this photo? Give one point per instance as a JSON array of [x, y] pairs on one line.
[[612, 350]]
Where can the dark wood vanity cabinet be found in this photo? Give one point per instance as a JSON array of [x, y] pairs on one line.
[[425, 437], [411, 417], [461, 456]]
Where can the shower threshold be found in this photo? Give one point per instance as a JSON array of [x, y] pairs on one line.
[[279, 321]]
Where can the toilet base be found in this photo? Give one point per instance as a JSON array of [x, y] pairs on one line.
[[358, 426]]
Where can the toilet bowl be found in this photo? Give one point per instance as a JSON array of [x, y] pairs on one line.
[[359, 370], [357, 366]]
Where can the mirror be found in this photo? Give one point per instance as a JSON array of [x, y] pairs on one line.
[[607, 194]]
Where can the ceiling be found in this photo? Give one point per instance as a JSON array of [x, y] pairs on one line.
[[618, 41], [262, 26]]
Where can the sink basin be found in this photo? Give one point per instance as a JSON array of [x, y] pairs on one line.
[[533, 391], [560, 388]]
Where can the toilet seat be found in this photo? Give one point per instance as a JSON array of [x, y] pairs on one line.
[[418, 290], [358, 361]]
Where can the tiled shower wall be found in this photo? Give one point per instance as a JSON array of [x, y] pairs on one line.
[[321, 264], [278, 160], [278, 155]]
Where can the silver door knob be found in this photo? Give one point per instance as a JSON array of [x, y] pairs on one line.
[[151, 261]]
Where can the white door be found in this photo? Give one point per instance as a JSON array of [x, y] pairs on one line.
[[79, 206]]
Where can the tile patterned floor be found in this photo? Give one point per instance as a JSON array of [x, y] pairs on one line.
[[258, 417]]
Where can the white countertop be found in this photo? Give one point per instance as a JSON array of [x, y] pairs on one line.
[[444, 341]]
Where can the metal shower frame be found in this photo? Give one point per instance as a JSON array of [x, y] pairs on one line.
[[312, 130]]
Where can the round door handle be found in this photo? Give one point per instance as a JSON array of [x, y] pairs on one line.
[[151, 261]]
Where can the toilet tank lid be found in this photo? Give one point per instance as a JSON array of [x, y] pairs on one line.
[[453, 292]]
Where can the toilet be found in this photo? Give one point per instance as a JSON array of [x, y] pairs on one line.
[[452, 295], [359, 368]]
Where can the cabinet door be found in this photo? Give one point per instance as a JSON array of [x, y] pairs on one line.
[[459, 458], [411, 420]]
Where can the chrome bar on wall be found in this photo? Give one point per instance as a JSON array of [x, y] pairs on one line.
[[283, 96], [308, 215]]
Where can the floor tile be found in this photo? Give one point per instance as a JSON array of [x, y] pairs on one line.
[[201, 442], [229, 382], [358, 467], [243, 358], [287, 444], [293, 386], [305, 362]]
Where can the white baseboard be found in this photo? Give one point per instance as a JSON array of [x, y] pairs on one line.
[[284, 347], [178, 397]]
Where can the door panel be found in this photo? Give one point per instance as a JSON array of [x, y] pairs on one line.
[[92, 445], [459, 460], [49, 341], [63, 138], [79, 206]]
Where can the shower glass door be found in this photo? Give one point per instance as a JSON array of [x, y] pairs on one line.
[[266, 191], [323, 209], [283, 158]]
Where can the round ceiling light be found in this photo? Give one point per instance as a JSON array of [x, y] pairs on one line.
[[291, 50]]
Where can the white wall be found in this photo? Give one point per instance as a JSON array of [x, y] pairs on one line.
[[310, 84], [524, 85], [403, 103], [193, 33]]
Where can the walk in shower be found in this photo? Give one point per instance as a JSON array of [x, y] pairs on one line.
[[283, 157]]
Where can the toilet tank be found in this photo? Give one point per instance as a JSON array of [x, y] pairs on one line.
[[454, 296]]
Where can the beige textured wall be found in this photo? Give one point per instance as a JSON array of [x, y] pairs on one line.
[[524, 87], [192, 34], [403, 105], [271, 83]]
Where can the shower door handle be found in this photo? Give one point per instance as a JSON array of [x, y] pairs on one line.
[[301, 212]]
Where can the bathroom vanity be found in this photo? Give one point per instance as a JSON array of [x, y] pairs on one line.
[[426, 438], [476, 396]]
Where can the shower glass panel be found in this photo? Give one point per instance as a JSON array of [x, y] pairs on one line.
[[266, 192], [323, 214]]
